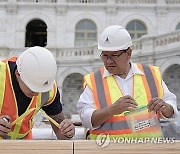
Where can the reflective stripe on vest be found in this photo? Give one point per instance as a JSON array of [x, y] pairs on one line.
[[104, 97], [2, 84], [22, 128]]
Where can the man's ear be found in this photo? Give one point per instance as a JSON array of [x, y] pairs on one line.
[[129, 53], [17, 74]]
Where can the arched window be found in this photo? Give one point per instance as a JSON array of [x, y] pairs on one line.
[[36, 34], [136, 29], [178, 26], [85, 33]]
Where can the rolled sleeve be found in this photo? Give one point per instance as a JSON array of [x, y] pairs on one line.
[[170, 99], [85, 107], [86, 117]]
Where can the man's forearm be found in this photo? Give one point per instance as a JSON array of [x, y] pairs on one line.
[[100, 116], [58, 118]]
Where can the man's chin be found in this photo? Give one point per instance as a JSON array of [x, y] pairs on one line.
[[112, 72], [30, 96]]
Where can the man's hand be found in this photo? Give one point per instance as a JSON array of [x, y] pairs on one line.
[[125, 103], [158, 105], [5, 126], [67, 128]]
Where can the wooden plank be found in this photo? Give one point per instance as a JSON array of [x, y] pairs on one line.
[[36, 146], [89, 147], [35, 152]]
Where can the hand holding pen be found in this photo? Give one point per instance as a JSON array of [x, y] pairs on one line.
[[5, 125]]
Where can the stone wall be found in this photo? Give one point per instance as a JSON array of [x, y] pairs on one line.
[[172, 79], [72, 88]]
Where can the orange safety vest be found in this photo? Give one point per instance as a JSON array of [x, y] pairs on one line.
[[106, 91], [8, 104]]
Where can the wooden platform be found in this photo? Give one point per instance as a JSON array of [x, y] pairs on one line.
[[90, 147], [36, 147], [84, 147]]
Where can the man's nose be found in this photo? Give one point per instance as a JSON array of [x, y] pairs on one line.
[[109, 59]]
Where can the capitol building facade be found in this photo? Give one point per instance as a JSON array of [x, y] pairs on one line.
[[70, 29]]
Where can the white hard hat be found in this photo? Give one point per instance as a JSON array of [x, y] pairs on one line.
[[114, 38], [37, 69]]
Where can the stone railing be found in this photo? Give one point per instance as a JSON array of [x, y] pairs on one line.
[[168, 39], [136, 1], [159, 42], [148, 42], [116, 2], [4, 1], [137, 45], [28, 1], [76, 53], [37, 1], [86, 1], [173, 2], [144, 44]]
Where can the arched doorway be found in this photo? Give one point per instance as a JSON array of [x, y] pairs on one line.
[[36, 34], [71, 90], [172, 79]]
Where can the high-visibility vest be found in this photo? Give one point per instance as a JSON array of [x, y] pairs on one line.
[[106, 92], [8, 104]]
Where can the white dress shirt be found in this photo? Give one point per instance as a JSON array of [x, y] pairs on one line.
[[86, 106]]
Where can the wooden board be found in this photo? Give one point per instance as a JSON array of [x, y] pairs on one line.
[[36, 147], [84, 147], [90, 147]]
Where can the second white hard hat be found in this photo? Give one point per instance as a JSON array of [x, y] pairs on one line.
[[37, 69], [114, 38]]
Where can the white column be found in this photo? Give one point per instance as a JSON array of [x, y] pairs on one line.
[[11, 9]]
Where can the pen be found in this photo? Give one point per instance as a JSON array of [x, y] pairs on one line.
[[136, 97], [5, 119]]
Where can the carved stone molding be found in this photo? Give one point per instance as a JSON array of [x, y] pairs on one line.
[[11, 8], [111, 10], [161, 11], [61, 10]]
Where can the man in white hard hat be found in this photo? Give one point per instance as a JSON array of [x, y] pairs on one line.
[[27, 85], [123, 88]]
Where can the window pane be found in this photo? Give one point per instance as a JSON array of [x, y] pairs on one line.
[[91, 35], [85, 33], [91, 26], [80, 35], [91, 42], [136, 29], [139, 26], [81, 25], [131, 26], [80, 43]]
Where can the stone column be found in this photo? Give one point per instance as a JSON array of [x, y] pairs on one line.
[[111, 13], [61, 27], [11, 10], [161, 13]]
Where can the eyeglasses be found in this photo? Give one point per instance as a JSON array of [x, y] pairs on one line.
[[113, 57]]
